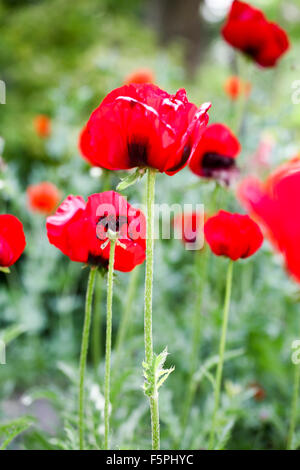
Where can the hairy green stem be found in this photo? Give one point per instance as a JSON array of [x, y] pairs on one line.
[[221, 353], [294, 410], [110, 280], [148, 302], [96, 330], [84, 351]]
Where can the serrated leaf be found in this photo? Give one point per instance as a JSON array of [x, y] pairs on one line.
[[167, 372], [161, 359]]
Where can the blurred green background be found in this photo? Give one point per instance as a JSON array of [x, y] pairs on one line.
[[60, 58]]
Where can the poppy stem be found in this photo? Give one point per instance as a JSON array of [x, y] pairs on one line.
[[148, 302], [221, 353], [294, 410], [96, 330], [84, 351], [110, 280]]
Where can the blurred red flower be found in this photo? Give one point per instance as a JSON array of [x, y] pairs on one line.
[[42, 125], [216, 153], [275, 204], [43, 197], [143, 126], [235, 87], [248, 30], [12, 240], [259, 391], [140, 76], [79, 230], [189, 227], [232, 235]]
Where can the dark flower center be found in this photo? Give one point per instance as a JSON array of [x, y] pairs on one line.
[[252, 51], [214, 162], [138, 154], [94, 260], [110, 222]]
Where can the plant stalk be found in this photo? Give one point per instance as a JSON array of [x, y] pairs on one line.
[[96, 330], [221, 353], [84, 351], [110, 280], [151, 174]]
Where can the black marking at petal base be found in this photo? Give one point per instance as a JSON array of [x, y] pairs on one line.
[[252, 51], [112, 222], [212, 162], [138, 153], [97, 261], [184, 158]]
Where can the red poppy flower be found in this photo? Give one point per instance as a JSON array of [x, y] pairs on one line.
[[42, 125], [216, 153], [232, 235], [275, 204], [43, 197], [12, 240], [248, 30], [234, 87], [143, 126], [79, 230], [189, 227], [140, 76]]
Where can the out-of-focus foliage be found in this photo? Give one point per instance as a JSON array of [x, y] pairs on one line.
[[60, 58]]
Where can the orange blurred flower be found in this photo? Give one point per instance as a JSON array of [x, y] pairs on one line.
[[140, 76], [234, 87], [42, 125], [43, 197]]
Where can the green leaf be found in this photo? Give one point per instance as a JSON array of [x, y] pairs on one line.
[[13, 428], [166, 373], [154, 374], [131, 179]]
